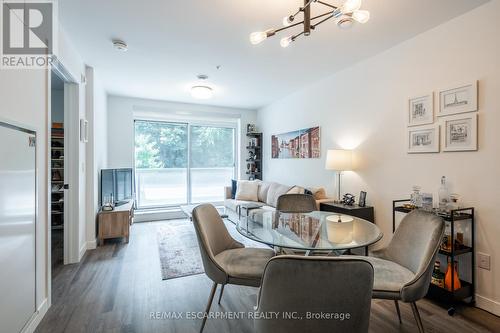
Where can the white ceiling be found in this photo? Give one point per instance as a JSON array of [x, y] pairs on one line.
[[170, 42]]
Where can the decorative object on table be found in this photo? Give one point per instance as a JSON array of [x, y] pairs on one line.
[[460, 132], [416, 197], [340, 218], [421, 110], [344, 16], [423, 139], [451, 280], [427, 202], [443, 195], [339, 160], [340, 228], [251, 128], [304, 143], [348, 199], [251, 155], [459, 99], [362, 199], [438, 276]]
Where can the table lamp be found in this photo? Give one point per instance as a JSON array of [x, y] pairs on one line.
[[339, 160]]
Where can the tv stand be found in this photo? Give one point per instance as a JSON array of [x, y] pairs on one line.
[[115, 223]]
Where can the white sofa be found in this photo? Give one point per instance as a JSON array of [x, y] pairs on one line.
[[268, 194]]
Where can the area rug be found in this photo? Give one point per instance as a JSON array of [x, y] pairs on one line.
[[179, 251]]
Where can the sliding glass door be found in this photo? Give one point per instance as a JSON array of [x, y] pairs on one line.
[[180, 163]]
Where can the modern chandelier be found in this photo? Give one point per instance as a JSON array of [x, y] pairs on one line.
[[345, 16]]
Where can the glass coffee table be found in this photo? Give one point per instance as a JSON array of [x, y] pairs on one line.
[[315, 231]]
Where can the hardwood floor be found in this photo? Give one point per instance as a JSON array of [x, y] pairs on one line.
[[118, 286]]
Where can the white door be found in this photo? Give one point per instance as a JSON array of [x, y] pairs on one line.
[[17, 227]]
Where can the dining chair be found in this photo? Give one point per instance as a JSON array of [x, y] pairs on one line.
[[225, 260], [296, 203], [309, 287], [403, 269]]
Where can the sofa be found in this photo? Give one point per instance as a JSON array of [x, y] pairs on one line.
[[267, 195]]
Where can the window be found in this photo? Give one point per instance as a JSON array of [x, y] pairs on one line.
[[180, 163]]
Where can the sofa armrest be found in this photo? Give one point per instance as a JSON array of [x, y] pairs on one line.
[[320, 201], [227, 192]]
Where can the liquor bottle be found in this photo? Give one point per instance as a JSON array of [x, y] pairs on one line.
[[449, 277], [437, 275], [444, 195]]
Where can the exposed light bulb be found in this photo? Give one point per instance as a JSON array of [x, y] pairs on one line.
[[202, 92], [351, 6], [257, 37], [286, 41], [287, 20], [362, 16]]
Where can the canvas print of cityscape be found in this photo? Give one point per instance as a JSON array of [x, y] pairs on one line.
[[297, 144]]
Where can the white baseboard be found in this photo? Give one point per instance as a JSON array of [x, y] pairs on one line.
[[36, 318], [82, 251], [488, 304]]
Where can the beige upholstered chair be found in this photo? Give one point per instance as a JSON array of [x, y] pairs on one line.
[[403, 269], [318, 285], [296, 203], [226, 261]]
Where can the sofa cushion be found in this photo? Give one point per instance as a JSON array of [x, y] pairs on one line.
[[296, 190], [247, 190], [275, 191], [318, 193], [263, 189]]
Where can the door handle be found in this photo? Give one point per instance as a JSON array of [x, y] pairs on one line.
[[66, 186]]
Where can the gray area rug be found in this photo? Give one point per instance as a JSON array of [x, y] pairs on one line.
[[179, 251]]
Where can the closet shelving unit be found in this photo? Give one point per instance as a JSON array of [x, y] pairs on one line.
[[57, 177], [254, 164]]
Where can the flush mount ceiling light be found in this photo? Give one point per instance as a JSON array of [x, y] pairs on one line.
[[202, 91], [344, 15], [120, 45]]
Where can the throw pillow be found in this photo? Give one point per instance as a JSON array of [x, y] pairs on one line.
[[263, 189], [318, 193], [234, 186], [247, 191], [275, 191]]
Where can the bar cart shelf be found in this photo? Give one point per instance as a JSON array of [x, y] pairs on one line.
[[467, 289]]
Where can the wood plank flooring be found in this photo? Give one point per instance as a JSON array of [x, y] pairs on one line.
[[117, 286]]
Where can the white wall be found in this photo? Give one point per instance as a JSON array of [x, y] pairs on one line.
[[364, 107], [96, 104], [121, 111]]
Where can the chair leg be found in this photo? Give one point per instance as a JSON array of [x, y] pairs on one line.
[[398, 311], [221, 291], [416, 314], [210, 299]]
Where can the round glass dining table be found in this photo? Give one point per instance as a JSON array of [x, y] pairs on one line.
[[315, 231]]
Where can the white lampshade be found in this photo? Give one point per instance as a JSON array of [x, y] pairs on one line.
[[339, 160]]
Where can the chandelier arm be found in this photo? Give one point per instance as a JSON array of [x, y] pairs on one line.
[[327, 4], [297, 35], [302, 22], [322, 21]]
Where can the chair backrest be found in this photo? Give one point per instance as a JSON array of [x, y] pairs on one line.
[[213, 238], [414, 245], [296, 203], [308, 287]]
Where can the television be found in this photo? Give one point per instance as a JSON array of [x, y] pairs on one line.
[[118, 183]]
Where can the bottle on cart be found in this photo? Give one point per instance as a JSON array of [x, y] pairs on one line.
[[444, 195], [452, 276], [437, 275]]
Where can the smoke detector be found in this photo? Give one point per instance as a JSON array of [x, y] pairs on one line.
[[120, 45]]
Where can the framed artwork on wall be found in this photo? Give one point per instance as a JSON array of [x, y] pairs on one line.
[[460, 99], [304, 143], [421, 110], [460, 132], [423, 139]]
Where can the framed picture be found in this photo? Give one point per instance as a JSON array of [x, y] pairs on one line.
[[304, 143], [421, 110], [460, 132], [460, 99], [362, 199], [423, 139]]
